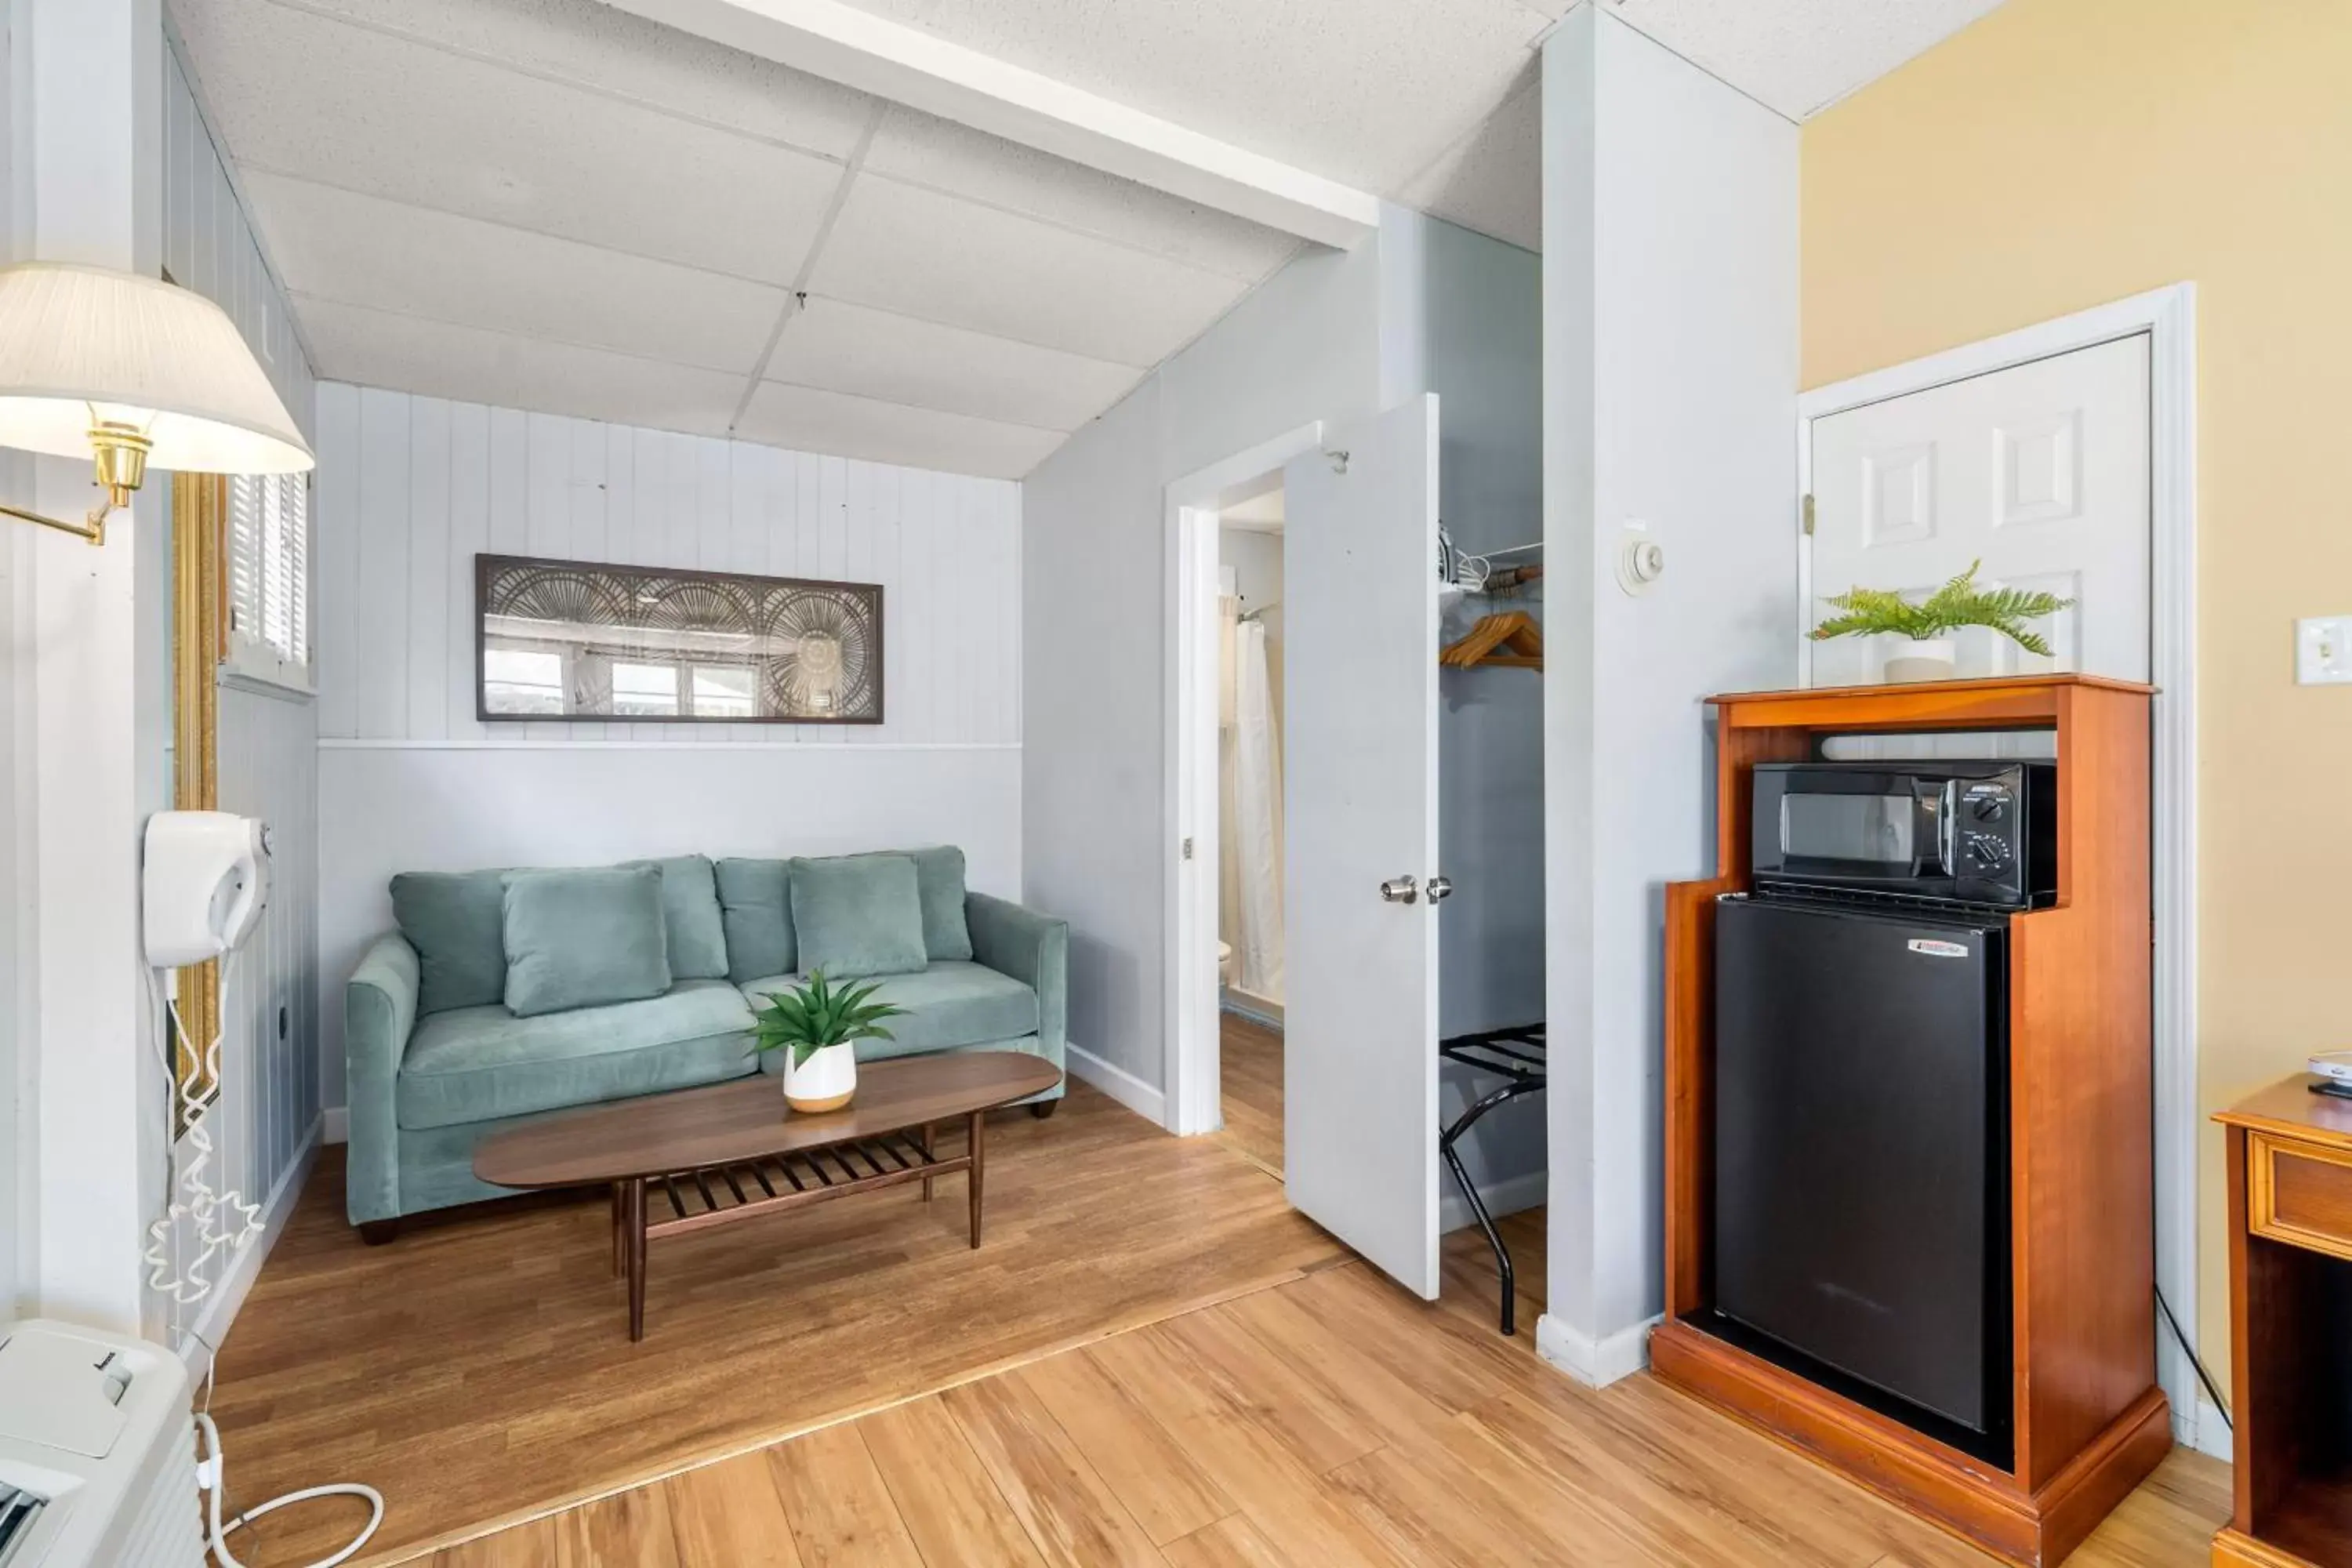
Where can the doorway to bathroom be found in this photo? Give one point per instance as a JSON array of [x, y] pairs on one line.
[[1249, 851]]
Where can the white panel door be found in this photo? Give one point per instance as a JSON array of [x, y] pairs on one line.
[[1360, 1059], [2040, 471]]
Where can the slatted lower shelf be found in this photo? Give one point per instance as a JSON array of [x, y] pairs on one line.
[[716, 1194]]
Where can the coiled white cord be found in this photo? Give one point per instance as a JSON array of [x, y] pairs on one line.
[[211, 1474], [224, 1221]]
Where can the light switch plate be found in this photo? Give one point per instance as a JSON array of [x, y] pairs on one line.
[[2322, 651]]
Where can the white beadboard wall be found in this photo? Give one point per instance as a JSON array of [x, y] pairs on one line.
[[412, 489], [264, 1124]]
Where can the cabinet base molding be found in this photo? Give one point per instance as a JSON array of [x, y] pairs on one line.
[[2233, 1549], [1987, 1507]]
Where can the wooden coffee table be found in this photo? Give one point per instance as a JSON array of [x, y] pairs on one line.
[[702, 1157]]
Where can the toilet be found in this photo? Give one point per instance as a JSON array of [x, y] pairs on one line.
[[1225, 964]]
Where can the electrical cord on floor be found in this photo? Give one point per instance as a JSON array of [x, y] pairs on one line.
[[2221, 1404], [211, 1477]]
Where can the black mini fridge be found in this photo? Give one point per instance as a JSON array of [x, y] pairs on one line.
[[1861, 1155]]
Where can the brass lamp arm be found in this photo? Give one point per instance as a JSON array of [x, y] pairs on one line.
[[94, 530]]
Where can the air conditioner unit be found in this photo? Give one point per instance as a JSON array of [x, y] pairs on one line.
[[98, 1452]]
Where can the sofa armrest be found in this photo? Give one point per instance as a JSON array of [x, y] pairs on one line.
[[379, 1014], [1032, 948]]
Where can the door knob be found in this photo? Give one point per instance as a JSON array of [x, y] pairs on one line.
[[1440, 889], [1400, 890]]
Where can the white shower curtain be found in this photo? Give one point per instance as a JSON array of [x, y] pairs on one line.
[[1256, 808]]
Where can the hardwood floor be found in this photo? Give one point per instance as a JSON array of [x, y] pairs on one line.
[[479, 1369], [1251, 1089], [1152, 1362], [1330, 1420]]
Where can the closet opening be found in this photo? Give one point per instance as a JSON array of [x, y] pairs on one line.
[[1356, 952]]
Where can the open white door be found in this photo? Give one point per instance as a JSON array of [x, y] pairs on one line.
[[1359, 1046]]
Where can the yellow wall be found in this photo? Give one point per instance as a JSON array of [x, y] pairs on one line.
[[2060, 153]]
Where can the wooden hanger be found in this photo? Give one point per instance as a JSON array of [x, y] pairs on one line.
[[1511, 640]]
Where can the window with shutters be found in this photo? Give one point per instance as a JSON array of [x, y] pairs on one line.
[[269, 577]]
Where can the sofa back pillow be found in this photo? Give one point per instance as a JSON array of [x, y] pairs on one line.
[[758, 919], [583, 938], [690, 911], [938, 879], [455, 920], [857, 915]]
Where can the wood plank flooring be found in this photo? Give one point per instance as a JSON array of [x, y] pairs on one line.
[[1330, 1420], [479, 1369], [1250, 1070]]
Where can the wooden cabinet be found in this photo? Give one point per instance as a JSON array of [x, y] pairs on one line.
[[2290, 1169], [2088, 1420]]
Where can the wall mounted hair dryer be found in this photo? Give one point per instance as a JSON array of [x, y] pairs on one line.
[[206, 881]]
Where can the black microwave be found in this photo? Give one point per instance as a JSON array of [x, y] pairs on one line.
[[1966, 832]]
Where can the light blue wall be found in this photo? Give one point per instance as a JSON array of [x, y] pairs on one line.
[[1420, 306]]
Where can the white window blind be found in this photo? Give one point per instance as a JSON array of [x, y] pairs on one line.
[[270, 576]]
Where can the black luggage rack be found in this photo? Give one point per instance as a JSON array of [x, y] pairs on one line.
[[1518, 1056]]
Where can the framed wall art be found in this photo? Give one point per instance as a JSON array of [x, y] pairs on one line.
[[570, 640]]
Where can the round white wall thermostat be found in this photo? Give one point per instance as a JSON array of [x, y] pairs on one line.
[[1641, 561]]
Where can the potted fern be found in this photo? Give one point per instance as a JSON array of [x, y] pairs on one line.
[[817, 1027], [1928, 655]]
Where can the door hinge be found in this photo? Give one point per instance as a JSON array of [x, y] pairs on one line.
[[1188, 848], [1806, 510]]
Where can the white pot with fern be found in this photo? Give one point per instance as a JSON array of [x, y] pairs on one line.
[[817, 1028], [1928, 652]]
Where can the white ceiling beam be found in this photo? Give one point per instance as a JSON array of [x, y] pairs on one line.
[[859, 49]]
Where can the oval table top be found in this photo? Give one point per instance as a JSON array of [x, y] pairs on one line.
[[746, 1120]]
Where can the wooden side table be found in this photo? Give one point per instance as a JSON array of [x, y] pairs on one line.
[[2290, 1164]]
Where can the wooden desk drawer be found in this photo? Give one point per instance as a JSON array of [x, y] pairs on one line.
[[2299, 1193]]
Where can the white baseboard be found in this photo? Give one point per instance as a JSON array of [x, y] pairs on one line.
[[1598, 1362], [1119, 1084], [1508, 1195], [228, 1294], [2201, 1427], [335, 1123]]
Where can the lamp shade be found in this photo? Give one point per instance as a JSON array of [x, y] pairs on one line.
[[80, 344]]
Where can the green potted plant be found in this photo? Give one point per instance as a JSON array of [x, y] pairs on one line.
[[817, 1027], [1928, 655]]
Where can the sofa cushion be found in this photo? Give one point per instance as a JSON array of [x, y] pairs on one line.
[[857, 915], [947, 1005], [757, 912], [455, 920], [585, 938], [691, 916], [938, 880], [475, 1064]]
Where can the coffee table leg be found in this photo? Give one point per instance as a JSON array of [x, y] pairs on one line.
[[620, 1233], [926, 1154], [975, 1122], [636, 1229]]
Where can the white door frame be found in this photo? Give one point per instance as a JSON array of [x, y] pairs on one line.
[[1190, 1059], [2168, 317]]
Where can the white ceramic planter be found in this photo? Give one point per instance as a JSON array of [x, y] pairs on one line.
[[825, 1082], [1922, 658]]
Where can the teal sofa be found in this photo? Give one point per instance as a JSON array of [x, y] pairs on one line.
[[437, 1059]]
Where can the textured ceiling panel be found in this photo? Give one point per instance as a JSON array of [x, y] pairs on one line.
[[371, 348], [812, 421], [922, 254], [1799, 56], [897, 359], [917, 148], [1492, 180], [1362, 91], [595, 46], [365, 250], [298, 94]]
